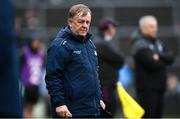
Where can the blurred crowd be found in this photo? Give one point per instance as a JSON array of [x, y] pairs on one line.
[[114, 67]]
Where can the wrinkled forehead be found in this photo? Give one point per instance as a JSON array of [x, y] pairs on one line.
[[83, 14]]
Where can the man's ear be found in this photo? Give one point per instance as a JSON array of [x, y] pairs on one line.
[[70, 22]]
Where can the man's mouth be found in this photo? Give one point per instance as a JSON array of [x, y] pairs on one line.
[[83, 30]]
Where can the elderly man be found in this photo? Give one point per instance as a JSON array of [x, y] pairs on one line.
[[72, 68], [151, 58]]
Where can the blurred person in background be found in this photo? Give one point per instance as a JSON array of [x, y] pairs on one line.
[[151, 59], [31, 19], [31, 23], [10, 96], [32, 59], [72, 69], [172, 97], [109, 62]]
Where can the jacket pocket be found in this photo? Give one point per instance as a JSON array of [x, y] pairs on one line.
[[68, 91], [81, 92]]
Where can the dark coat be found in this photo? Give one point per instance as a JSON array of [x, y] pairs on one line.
[[110, 61], [10, 98], [150, 73], [72, 74]]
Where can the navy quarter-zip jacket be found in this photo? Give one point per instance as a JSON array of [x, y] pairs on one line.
[[72, 74]]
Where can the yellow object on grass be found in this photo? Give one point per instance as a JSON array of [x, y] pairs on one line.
[[131, 109]]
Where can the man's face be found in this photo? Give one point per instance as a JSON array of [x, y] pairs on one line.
[[112, 31], [80, 24], [150, 28], [36, 44]]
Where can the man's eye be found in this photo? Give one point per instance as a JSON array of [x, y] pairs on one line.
[[80, 21], [87, 22]]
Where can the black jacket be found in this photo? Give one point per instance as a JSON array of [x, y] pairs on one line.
[[109, 61], [150, 73]]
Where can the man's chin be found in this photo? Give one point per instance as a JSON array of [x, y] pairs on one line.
[[83, 35]]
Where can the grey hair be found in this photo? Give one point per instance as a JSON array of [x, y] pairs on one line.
[[76, 9], [144, 19]]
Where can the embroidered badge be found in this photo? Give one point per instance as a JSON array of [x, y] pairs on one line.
[[77, 52]]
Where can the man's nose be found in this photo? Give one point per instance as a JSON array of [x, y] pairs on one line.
[[85, 24]]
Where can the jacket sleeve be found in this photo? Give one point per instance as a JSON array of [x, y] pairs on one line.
[[166, 56], [107, 54], [54, 74], [144, 56]]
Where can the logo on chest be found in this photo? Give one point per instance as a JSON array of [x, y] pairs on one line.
[[77, 52]]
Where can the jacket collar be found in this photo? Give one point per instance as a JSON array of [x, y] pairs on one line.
[[67, 33], [138, 35]]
